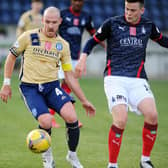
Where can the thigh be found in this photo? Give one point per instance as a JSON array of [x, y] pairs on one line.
[[34, 100], [56, 98], [139, 90], [148, 108], [68, 113], [115, 92]]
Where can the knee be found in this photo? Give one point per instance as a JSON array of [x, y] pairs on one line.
[[71, 119], [151, 117], [120, 116], [68, 113], [121, 123], [45, 121]]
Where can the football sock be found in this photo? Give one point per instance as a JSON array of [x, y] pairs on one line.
[[47, 130], [149, 136], [73, 134], [66, 88], [114, 142], [113, 165], [145, 158]]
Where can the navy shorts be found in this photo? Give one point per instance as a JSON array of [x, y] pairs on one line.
[[39, 97]]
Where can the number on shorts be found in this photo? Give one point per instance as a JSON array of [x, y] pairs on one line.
[[58, 92]]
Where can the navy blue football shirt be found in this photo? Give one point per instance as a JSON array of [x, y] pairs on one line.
[[72, 27], [126, 45]]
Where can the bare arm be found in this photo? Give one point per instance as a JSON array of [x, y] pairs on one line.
[[81, 66], [6, 92], [9, 65], [74, 85]]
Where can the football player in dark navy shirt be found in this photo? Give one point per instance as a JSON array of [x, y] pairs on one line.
[[125, 80], [74, 22]]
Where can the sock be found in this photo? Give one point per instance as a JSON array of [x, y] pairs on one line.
[[52, 112], [47, 130], [73, 134], [149, 136], [66, 88], [114, 142], [145, 158], [113, 165]]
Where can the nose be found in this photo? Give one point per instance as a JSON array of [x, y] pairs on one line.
[[129, 13], [50, 25]]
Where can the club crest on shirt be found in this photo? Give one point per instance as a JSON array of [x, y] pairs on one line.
[[83, 22], [59, 46], [48, 45], [76, 22]]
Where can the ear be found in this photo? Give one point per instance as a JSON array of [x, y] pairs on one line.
[[60, 20], [142, 10]]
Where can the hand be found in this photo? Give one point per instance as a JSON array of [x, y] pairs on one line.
[[81, 66], [5, 93], [90, 109]]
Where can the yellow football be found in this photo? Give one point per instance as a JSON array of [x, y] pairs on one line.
[[38, 141]]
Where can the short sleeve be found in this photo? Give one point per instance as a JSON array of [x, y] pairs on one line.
[[20, 45]]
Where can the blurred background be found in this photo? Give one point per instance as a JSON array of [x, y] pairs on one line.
[[157, 57]]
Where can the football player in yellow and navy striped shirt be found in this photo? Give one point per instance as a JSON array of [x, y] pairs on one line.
[[30, 19], [42, 50]]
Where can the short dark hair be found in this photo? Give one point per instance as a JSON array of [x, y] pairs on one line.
[[36, 1], [140, 1]]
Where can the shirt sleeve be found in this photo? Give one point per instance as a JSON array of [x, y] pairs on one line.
[[90, 26], [66, 59], [103, 32], [20, 45], [157, 36]]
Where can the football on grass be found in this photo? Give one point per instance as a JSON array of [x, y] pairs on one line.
[[38, 141]]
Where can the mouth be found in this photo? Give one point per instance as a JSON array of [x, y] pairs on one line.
[[51, 31]]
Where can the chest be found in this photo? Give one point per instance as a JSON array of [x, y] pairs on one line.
[[127, 35], [70, 20], [33, 21]]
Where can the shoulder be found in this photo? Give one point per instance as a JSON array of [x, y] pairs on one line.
[[146, 20], [83, 12], [114, 19], [118, 19], [63, 41], [33, 32], [26, 14], [64, 11]]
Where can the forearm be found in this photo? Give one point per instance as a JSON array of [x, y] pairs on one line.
[[9, 65], [74, 85], [89, 46]]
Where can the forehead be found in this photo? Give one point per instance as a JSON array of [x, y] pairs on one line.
[[132, 5], [77, 0], [51, 16]]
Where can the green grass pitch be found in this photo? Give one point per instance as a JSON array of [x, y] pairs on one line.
[[16, 122]]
